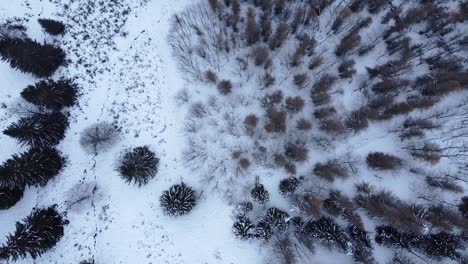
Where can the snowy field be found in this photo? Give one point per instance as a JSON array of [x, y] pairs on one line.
[[123, 57]]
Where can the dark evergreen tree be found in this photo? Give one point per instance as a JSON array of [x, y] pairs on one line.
[[32, 168], [359, 236], [138, 165], [178, 200], [259, 193], [387, 235], [36, 234], [463, 206], [263, 230], [288, 186], [243, 228], [276, 219], [51, 94], [39, 130], [32, 57], [328, 232], [51, 26], [443, 245], [9, 197]]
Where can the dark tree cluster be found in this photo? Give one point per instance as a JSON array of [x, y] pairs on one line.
[[9, 197], [36, 234]]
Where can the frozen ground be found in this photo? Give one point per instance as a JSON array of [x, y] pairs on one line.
[[133, 85]]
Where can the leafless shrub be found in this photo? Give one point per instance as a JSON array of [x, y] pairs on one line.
[[294, 104], [266, 27], [325, 83], [266, 80], [99, 137], [357, 120], [382, 161], [309, 205], [325, 112], [333, 126], [331, 170], [421, 102], [444, 183], [445, 218], [211, 77], [273, 99], [198, 110], [320, 98], [348, 43], [303, 124], [315, 62], [285, 252], [279, 159], [346, 69], [305, 46], [281, 34], [429, 152], [389, 85], [261, 55], [252, 29], [340, 19], [224, 87], [338, 204], [183, 96], [250, 123], [296, 152], [301, 80], [80, 196], [276, 121], [396, 109], [244, 164], [290, 168]]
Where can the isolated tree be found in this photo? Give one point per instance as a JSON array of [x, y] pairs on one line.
[[178, 200], [9, 197], [259, 193], [138, 165], [276, 121], [224, 87], [382, 161], [51, 26], [99, 137], [328, 232], [51, 94], [29, 56], [280, 36], [39, 130], [35, 235], [32, 168], [243, 228], [276, 219]]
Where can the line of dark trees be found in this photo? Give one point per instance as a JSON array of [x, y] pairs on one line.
[[40, 130]]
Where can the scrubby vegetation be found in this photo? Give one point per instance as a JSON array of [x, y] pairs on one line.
[[327, 94]]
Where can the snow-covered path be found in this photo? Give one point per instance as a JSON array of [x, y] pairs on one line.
[[134, 88]]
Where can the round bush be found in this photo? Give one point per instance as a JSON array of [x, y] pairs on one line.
[[178, 200], [138, 165], [9, 197]]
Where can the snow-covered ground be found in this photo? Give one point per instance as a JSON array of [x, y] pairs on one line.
[[134, 87]]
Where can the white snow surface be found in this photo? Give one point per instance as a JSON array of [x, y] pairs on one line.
[[126, 223]]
